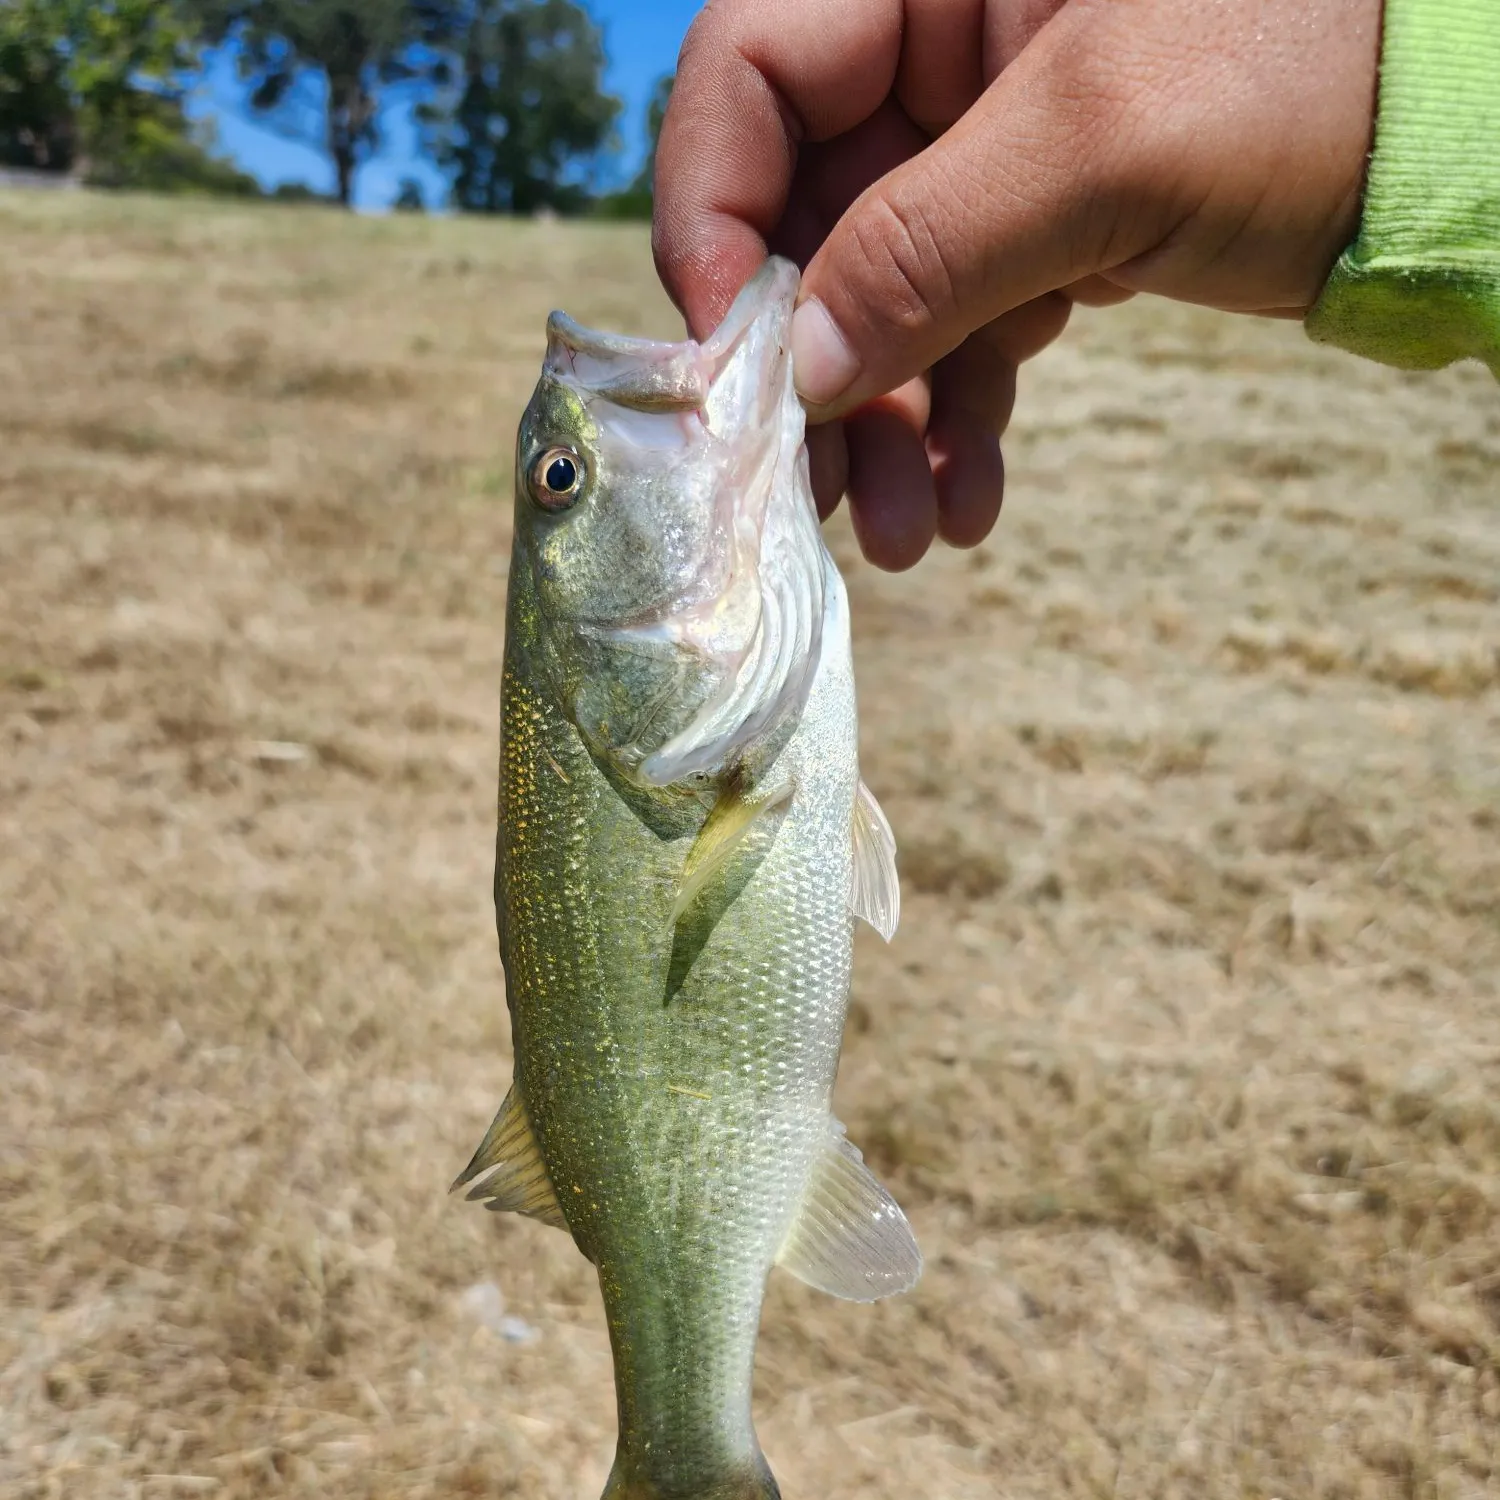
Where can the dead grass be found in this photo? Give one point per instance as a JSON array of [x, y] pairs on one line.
[[1186, 1059]]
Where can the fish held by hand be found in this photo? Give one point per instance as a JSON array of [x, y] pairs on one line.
[[684, 846]]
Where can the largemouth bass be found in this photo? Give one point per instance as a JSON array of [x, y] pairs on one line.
[[684, 845]]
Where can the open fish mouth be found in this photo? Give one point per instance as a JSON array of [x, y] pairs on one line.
[[647, 375], [750, 621]]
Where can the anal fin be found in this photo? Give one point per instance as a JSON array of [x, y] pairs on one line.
[[850, 1238], [875, 894], [517, 1180]]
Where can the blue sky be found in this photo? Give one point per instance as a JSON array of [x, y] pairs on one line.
[[641, 38]]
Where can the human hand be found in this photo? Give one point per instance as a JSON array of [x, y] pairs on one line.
[[953, 175]]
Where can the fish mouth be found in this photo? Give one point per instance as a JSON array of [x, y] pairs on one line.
[[734, 383], [750, 622], [703, 378], [750, 351]]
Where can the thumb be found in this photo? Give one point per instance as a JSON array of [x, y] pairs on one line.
[[1009, 204]]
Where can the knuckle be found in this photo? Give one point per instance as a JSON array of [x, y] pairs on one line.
[[898, 252], [1106, 134]]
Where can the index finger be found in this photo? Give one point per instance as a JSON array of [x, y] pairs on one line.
[[754, 79]]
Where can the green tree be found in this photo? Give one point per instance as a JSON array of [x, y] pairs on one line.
[[168, 154], [531, 112], [638, 200], [38, 115], [358, 46], [82, 83], [656, 113]]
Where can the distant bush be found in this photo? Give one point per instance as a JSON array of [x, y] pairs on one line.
[[409, 199], [298, 192], [162, 157], [633, 203]]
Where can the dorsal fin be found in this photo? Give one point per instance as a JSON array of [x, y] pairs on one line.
[[875, 894], [518, 1180], [850, 1238]]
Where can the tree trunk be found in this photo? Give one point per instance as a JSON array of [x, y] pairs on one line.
[[343, 165], [348, 120]]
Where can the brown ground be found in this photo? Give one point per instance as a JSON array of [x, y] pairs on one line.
[[1186, 1060]]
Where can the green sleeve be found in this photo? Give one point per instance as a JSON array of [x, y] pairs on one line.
[[1420, 287]]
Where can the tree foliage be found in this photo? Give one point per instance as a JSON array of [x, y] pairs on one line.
[[510, 94], [357, 46], [167, 154], [84, 86], [639, 199], [38, 115], [531, 111], [656, 114]]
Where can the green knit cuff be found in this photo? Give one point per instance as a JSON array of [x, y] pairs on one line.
[[1420, 287], [1417, 318]]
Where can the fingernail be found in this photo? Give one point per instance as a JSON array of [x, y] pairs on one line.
[[823, 364]]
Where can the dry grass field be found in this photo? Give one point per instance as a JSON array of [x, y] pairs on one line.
[[1185, 1061]]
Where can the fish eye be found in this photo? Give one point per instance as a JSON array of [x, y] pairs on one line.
[[556, 478]]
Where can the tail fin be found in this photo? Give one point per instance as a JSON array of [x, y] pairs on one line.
[[752, 1480]]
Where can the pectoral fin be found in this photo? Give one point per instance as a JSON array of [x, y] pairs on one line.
[[724, 831], [518, 1180], [875, 895], [850, 1238]]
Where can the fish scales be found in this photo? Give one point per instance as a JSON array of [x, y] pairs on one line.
[[676, 923]]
